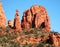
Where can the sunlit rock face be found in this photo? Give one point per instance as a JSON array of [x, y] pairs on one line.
[[27, 19], [17, 23], [36, 17], [2, 17]]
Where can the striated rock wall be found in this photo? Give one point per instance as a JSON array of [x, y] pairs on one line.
[[37, 17], [26, 20]]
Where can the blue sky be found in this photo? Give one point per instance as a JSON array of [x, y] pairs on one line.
[[52, 6]]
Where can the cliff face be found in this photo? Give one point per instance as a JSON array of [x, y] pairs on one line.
[[17, 23], [37, 17], [2, 17]]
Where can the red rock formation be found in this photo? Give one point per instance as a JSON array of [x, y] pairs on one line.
[[17, 24], [58, 38], [54, 40], [10, 23], [37, 17], [2, 17], [26, 21]]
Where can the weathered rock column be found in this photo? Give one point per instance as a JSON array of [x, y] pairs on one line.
[[2, 17], [17, 24]]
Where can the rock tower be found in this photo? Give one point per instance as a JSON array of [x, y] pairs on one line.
[[2, 17], [17, 23]]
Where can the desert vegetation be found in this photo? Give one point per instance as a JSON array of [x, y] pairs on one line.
[[35, 37]]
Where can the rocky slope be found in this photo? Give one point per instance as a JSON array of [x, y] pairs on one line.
[[33, 37]]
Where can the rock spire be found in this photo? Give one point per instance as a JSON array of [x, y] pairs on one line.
[[17, 23], [2, 17]]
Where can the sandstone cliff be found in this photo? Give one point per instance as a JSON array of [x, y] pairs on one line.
[[36, 17]]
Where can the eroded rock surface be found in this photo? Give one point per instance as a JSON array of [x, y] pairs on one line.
[[17, 23], [2, 17], [37, 17], [54, 40]]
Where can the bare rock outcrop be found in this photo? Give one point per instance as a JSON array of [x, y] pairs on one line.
[[10, 23], [2, 17], [26, 20], [17, 23], [36, 17], [54, 40], [58, 38]]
